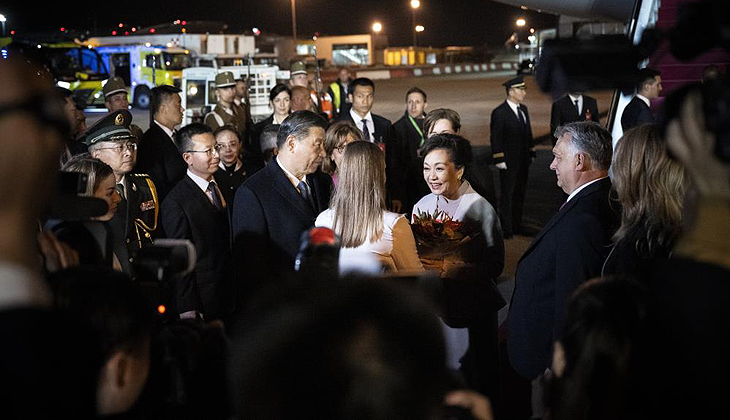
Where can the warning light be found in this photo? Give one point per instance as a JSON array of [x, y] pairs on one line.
[[121, 25], [126, 32], [152, 30], [12, 32], [184, 22], [63, 29], [161, 309], [134, 29], [114, 33]]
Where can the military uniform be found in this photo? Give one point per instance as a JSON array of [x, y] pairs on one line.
[[135, 223], [137, 213], [222, 115]]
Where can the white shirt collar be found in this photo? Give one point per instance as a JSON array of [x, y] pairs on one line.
[[644, 98], [293, 179], [357, 118], [577, 190], [200, 182], [165, 129], [514, 106], [368, 120]]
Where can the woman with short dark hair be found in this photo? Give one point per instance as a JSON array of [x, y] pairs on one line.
[[280, 103], [459, 237], [338, 135]]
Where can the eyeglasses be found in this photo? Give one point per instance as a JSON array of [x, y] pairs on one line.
[[121, 147], [210, 152], [341, 148]]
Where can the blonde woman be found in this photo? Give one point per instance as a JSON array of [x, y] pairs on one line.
[[358, 214], [338, 135], [650, 187]]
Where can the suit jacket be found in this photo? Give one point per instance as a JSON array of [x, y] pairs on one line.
[[410, 165], [636, 113], [267, 205], [567, 252], [511, 140], [254, 158], [187, 213], [384, 134], [563, 111], [158, 156]]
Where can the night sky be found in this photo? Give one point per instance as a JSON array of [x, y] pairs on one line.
[[447, 22]]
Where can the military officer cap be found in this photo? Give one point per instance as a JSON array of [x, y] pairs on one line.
[[113, 86], [224, 79], [298, 67], [517, 82], [113, 127]]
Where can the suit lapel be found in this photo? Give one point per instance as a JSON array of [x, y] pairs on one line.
[[199, 196], [562, 212], [285, 188]]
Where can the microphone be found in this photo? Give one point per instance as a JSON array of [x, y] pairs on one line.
[[319, 253]]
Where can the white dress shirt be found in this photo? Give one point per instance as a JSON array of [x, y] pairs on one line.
[[293, 179], [167, 131], [577, 190], [203, 185], [368, 120], [645, 99], [516, 109], [580, 102]]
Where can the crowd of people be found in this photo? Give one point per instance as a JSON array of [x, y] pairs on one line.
[[608, 318]]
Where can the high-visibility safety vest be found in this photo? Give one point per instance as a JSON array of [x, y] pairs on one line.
[[335, 87]]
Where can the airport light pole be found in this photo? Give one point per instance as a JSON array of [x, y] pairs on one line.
[[415, 4], [294, 19]]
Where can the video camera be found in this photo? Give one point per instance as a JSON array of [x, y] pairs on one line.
[[613, 62]]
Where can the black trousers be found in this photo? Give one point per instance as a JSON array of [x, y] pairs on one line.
[[513, 183]]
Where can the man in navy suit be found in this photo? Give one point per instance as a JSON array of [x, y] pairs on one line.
[[572, 107], [196, 210], [511, 137], [569, 250], [379, 130], [282, 200], [637, 112], [158, 154]]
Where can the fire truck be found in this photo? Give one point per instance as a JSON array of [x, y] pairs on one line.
[[142, 67]]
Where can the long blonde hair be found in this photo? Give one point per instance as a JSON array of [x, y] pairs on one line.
[[650, 187], [359, 200]]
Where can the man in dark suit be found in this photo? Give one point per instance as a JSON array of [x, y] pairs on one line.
[[511, 137], [282, 200], [638, 111], [409, 137], [158, 154], [196, 210], [376, 129], [567, 252], [574, 106]]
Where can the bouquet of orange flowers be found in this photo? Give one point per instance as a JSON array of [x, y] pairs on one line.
[[438, 235]]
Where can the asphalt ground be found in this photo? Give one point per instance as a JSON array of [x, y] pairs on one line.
[[474, 96]]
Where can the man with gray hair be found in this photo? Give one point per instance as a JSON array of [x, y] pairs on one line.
[[567, 252], [282, 200]]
